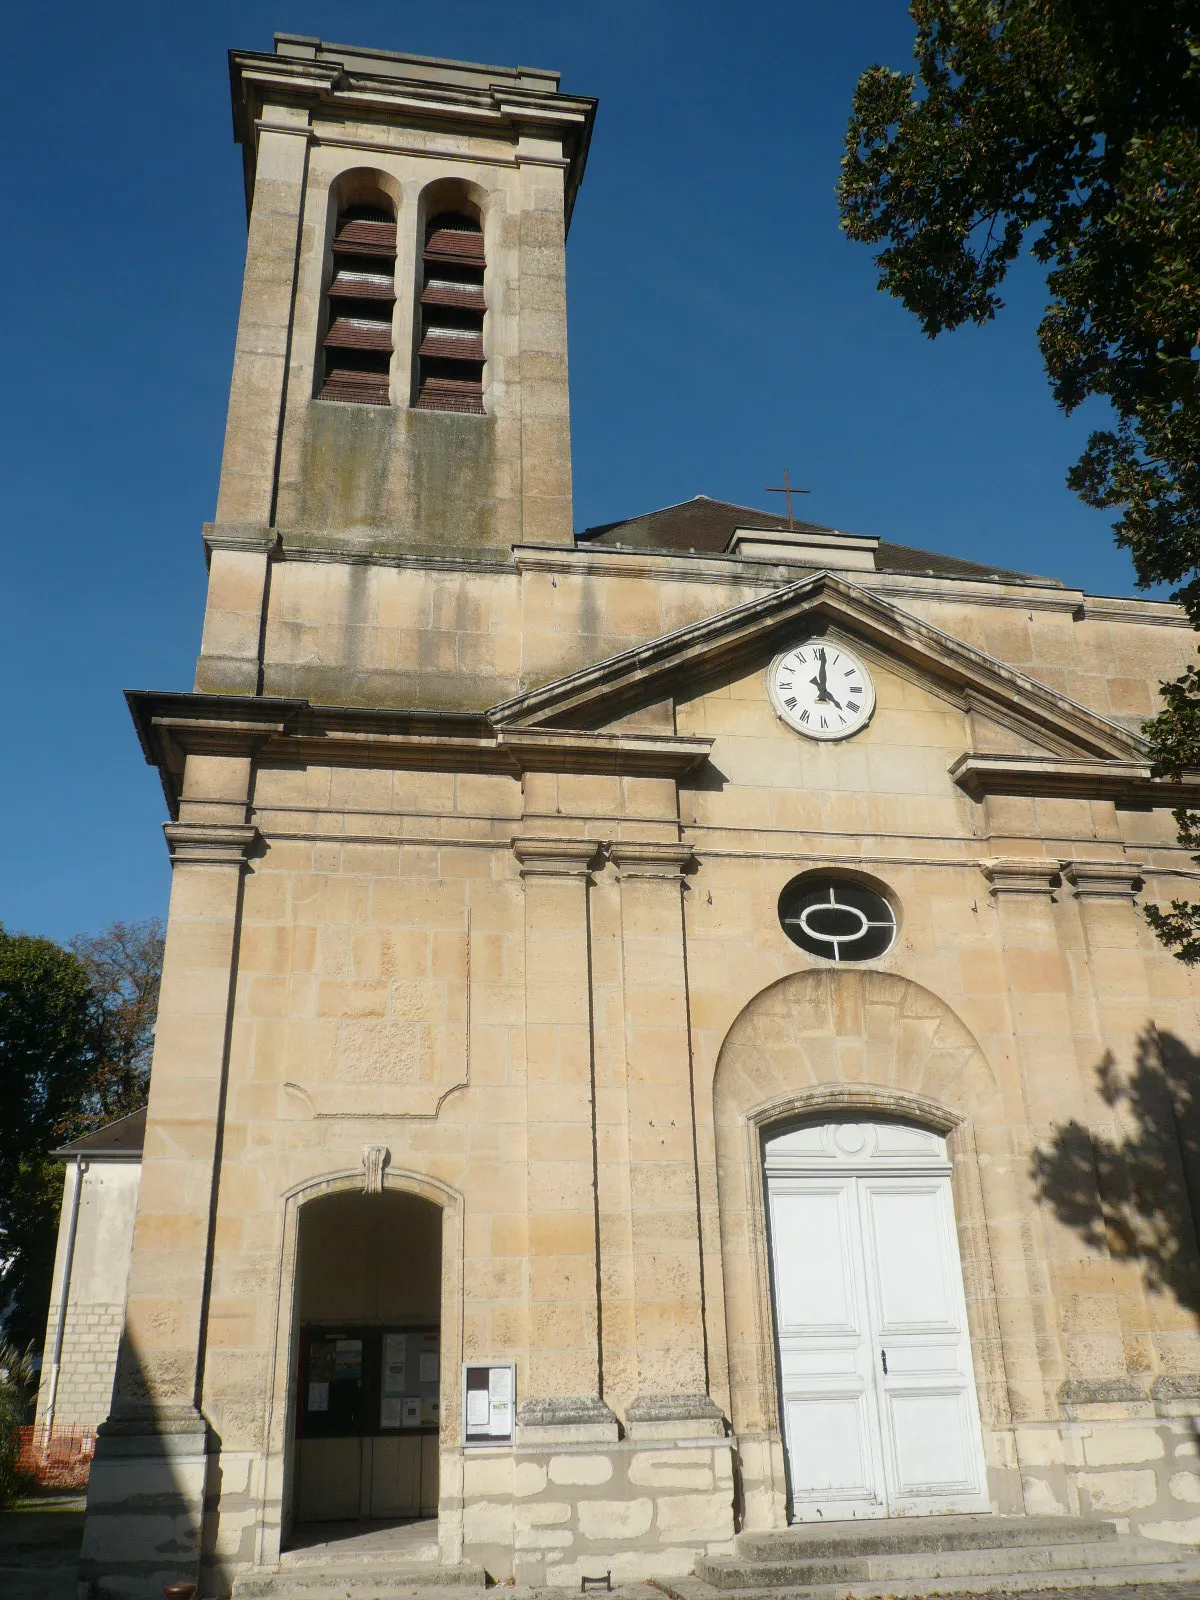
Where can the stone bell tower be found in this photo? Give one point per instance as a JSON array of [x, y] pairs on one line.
[[400, 377]]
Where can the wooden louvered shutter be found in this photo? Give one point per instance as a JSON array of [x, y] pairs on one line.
[[450, 356], [362, 292]]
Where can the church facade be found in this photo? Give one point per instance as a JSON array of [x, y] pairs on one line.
[[658, 1032]]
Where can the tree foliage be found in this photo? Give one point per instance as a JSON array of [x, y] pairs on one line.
[[124, 965], [76, 1029], [1070, 128]]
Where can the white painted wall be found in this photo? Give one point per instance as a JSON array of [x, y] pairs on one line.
[[96, 1293]]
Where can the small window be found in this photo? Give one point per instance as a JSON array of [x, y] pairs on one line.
[[361, 294], [837, 918], [450, 355]]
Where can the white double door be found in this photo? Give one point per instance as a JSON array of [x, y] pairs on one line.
[[878, 1397]]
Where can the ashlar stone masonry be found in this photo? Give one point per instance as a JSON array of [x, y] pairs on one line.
[[478, 1012]]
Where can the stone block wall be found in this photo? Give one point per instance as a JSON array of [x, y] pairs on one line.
[[555, 1515], [1140, 1470]]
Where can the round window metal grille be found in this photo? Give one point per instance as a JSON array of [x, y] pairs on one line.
[[837, 918]]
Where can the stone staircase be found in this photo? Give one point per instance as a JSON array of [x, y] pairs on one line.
[[968, 1555], [367, 1578]]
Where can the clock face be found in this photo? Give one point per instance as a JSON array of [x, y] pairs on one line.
[[821, 689]]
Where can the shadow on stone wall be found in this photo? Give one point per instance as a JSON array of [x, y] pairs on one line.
[[1135, 1187]]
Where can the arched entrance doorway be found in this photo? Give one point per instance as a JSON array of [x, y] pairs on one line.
[[876, 1387], [368, 1306], [832, 1045]]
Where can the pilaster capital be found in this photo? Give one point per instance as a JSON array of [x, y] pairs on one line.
[[1029, 875], [636, 858], [1103, 880], [210, 844], [556, 858]]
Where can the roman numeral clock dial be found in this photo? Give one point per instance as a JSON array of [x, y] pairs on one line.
[[822, 690]]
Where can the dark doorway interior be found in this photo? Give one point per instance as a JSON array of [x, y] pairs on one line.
[[368, 1308]]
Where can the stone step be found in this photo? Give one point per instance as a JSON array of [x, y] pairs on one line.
[[729, 1574], [804, 1540], [363, 1579], [1177, 1578]]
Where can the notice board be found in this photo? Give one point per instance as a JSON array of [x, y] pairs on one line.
[[489, 1402]]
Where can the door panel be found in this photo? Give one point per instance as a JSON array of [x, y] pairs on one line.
[[877, 1389], [815, 1228], [908, 1230], [830, 1449], [932, 1450], [930, 1441], [829, 1407]]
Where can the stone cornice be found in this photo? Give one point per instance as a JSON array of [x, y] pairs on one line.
[[210, 844], [270, 728], [1027, 875], [721, 567], [556, 858], [347, 85], [1079, 779]]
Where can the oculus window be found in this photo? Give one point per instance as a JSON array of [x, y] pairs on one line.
[[837, 918]]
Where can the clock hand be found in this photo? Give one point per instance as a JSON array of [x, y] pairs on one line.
[[820, 684]]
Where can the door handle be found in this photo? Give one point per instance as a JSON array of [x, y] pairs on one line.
[[883, 1359]]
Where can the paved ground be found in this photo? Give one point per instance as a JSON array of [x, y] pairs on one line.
[[39, 1547]]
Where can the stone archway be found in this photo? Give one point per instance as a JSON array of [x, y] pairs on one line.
[[278, 1482], [836, 1040]]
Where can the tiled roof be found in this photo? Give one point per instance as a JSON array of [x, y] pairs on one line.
[[120, 1140], [705, 526]]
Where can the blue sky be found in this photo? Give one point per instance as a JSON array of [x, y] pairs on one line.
[[721, 329]]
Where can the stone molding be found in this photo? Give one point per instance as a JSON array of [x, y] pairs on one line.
[[1071, 777], [674, 1416], [210, 844], [271, 727], [1103, 880], [650, 859], [737, 637], [374, 1158], [556, 858], [153, 1429], [566, 1419], [1076, 1393], [326, 81], [249, 537], [1028, 875]]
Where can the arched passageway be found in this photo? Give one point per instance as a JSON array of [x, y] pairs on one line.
[[368, 1350]]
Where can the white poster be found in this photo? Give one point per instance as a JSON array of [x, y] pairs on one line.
[[410, 1413], [318, 1397], [500, 1395], [431, 1366], [395, 1363], [478, 1408], [390, 1412]]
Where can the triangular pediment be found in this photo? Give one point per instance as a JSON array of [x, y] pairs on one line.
[[1026, 715]]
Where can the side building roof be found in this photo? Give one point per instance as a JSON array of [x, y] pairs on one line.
[[706, 526], [121, 1140]]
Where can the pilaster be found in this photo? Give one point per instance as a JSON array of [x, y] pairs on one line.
[[564, 1366], [667, 1276], [155, 1449], [1136, 1140]]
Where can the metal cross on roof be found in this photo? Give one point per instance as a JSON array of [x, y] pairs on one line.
[[789, 490]]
